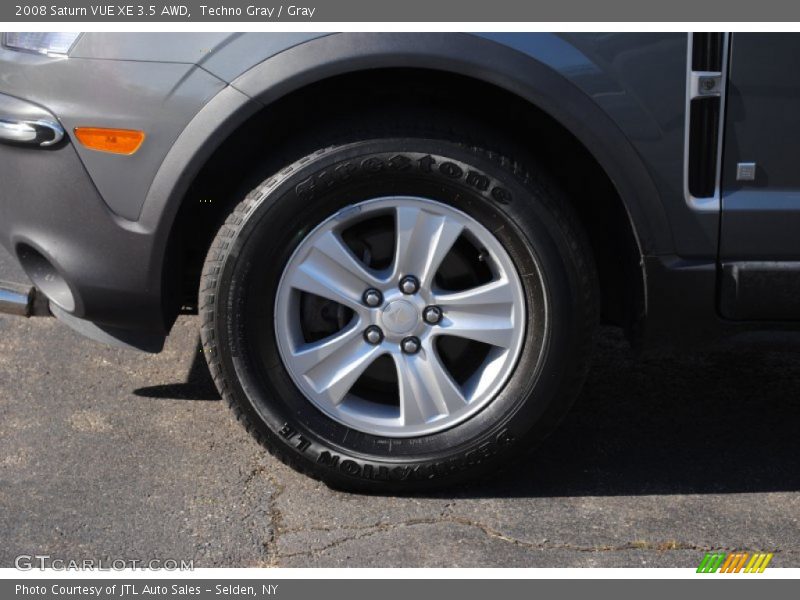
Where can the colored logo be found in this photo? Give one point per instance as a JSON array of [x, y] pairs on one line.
[[735, 562]]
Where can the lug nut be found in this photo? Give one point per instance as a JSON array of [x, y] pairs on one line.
[[409, 284], [372, 298], [373, 335], [432, 315], [410, 345]]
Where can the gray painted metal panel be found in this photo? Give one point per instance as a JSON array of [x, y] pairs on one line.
[[243, 51], [760, 233], [158, 98], [226, 55], [761, 218], [189, 47]]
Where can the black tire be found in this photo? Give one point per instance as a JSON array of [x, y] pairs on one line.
[[527, 215]]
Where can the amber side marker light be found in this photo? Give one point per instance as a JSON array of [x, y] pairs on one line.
[[116, 141]]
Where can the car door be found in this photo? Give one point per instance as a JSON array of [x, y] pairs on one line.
[[760, 225]]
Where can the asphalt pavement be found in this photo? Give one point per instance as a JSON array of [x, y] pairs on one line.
[[113, 454]]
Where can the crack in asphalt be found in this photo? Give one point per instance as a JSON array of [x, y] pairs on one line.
[[276, 519], [376, 528], [271, 512]]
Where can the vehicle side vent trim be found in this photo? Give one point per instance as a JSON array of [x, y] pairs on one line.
[[706, 51], [706, 82], [703, 134]]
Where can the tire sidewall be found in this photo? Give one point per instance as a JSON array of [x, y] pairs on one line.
[[284, 209]]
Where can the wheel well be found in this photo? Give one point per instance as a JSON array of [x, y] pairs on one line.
[[296, 124]]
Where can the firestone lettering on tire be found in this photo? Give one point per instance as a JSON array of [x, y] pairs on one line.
[[329, 178]]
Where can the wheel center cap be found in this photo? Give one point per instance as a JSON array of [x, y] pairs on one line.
[[399, 317]]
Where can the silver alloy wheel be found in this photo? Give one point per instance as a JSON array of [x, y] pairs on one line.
[[430, 399]]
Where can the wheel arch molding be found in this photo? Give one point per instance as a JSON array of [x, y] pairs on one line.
[[466, 55]]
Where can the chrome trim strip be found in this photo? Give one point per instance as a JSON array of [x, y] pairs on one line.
[[17, 131], [40, 133], [711, 203]]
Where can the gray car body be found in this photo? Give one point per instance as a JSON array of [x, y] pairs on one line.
[[105, 221]]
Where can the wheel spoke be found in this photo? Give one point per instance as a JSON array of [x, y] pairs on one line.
[[332, 271], [488, 329], [422, 240], [483, 313], [492, 293], [426, 388], [309, 355], [334, 364]]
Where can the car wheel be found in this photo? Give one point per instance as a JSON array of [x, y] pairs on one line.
[[399, 313]]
